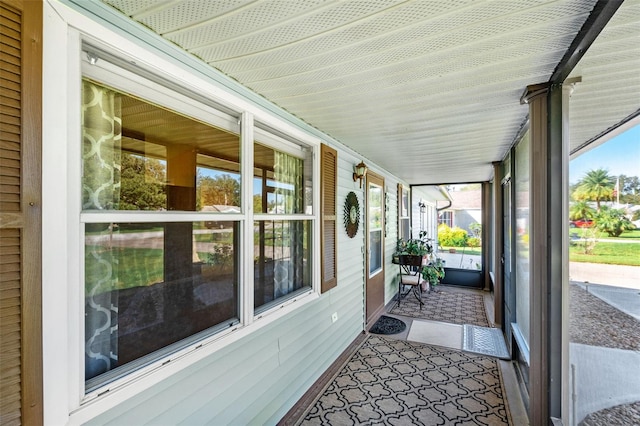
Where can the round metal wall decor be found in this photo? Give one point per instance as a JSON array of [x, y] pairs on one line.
[[351, 214]]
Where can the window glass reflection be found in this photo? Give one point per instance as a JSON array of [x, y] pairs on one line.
[[523, 186], [152, 287], [282, 181], [282, 259], [140, 156]]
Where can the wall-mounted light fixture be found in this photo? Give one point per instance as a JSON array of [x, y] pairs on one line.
[[359, 171]]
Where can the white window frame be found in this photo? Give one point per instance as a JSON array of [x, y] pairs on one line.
[[404, 214], [130, 83], [447, 218], [64, 369], [297, 149]]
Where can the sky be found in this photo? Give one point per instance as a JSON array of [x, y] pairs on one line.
[[619, 155]]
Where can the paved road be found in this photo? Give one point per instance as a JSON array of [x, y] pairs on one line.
[[602, 378]]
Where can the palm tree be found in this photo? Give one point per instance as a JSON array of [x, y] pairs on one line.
[[581, 210], [596, 185]]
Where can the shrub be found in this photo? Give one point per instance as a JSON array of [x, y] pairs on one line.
[[613, 222], [473, 242], [452, 237]]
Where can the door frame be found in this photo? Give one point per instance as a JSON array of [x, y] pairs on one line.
[[508, 260], [374, 284]]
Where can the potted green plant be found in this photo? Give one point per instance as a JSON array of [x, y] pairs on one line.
[[433, 271], [420, 246]]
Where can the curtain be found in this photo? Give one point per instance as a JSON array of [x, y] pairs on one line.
[[101, 162], [288, 266]]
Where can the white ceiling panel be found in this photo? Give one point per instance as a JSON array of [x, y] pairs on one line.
[[609, 90], [427, 89]]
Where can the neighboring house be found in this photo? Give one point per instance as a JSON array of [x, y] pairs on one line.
[[219, 209], [425, 209], [465, 209]]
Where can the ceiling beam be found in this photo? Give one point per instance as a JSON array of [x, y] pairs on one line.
[[602, 12]]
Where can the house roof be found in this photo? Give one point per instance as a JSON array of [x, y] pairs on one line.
[[428, 90], [466, 200]]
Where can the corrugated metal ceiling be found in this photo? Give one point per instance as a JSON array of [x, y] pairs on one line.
[[429, 90]]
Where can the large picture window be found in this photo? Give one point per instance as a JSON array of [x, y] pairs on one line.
[[164, 222], [151, 287]]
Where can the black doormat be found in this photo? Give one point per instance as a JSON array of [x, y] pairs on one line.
[[388, 325]]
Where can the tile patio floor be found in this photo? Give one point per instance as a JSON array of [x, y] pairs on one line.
[[432, 333]]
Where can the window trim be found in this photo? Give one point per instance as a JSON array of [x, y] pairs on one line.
[[275, 142], [182, 101]]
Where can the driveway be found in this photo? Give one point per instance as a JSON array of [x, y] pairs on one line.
[[599, 273]]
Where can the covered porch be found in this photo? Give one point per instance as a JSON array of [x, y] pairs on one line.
[[200, 200]]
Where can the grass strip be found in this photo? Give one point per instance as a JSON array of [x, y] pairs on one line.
[[608, 253]]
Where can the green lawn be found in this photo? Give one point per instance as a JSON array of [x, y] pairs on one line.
[[609, 253], [132, 267], [472, 251], [629, 235], [626, 236]]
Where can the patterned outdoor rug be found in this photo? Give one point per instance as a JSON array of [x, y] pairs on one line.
[[395, 382], [456, 307]]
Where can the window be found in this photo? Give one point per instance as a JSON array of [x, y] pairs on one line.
[[153, 286], [140, 156], [375, 218], [164, 222], [404, 220], [446, 217], [282, 200]]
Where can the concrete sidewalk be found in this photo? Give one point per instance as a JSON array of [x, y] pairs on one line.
[[626, 300], [602, 378], [600, 273]]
